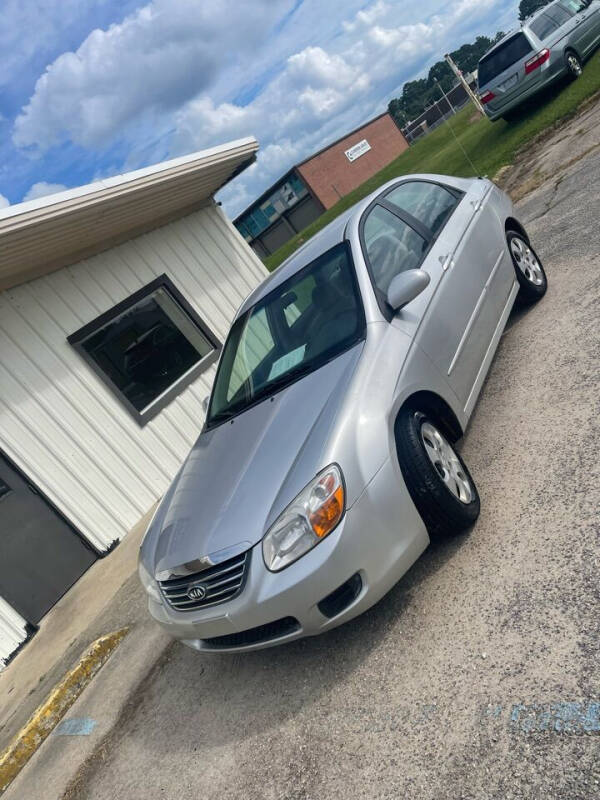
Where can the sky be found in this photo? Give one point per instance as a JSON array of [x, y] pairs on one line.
[[93, 88]]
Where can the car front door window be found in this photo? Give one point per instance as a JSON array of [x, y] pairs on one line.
[[429, 203], [392, 246]]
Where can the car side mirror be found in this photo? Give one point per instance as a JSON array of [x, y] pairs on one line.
[[406, 286], [205, 403]]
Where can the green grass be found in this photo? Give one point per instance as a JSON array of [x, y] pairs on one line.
[[490, 146]]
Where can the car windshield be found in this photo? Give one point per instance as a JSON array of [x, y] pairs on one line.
[[503, 57], [309, 319]]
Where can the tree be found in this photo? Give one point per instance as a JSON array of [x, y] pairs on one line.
[[397, 112], [412, 97], [420, 94], [529, 7], [442, 73]]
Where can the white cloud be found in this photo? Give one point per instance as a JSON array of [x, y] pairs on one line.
[[4, 201], [366, 17], [154, 61], [320, 93], [41, 189], [27, 29], [181, 75]]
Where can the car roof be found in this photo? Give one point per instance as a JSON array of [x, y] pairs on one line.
[[525, 24]]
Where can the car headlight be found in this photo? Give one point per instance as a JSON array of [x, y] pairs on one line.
[[148, 582], [309, 518]]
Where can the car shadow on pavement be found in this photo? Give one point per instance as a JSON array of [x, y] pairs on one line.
[[516, 315]]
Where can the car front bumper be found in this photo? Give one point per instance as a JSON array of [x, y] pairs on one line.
[[379, 538]]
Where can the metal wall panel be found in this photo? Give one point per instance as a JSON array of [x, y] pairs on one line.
[[58, 421]]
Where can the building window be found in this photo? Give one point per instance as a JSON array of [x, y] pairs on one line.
[[148, 348]]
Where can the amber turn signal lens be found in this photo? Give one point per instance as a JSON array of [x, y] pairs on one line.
[[327, 516]]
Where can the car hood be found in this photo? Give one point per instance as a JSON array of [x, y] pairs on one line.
[[240, 475]]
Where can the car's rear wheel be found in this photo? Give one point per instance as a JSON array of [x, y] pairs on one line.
[[436, 477], [528, 268], [574, 64]]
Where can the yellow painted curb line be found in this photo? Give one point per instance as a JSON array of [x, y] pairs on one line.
[[56, 705]]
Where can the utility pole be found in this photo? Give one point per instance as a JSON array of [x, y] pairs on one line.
[[461, 78]]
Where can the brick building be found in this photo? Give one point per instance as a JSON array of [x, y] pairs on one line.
[[318, 182]]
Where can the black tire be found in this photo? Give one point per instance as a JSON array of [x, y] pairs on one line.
[[441, 511], [574, 65], [530, 291]]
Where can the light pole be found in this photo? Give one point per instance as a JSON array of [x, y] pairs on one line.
[[461, 78]]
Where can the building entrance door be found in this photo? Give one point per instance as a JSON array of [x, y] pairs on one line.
[[41, 555]]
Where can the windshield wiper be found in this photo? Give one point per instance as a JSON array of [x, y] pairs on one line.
[[282, 380]]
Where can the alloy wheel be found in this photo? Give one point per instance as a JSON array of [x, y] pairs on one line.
[[527, 261], [446, 463], [574, 65]]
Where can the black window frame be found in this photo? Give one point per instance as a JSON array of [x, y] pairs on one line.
[[424, 232], [77, 339]]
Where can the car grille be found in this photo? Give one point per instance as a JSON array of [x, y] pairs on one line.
[[264, 633], [219, 583]]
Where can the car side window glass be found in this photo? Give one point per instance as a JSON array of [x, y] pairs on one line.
[[561, 14], [428, 203], [392, 246], [574, 6], [543, 26]]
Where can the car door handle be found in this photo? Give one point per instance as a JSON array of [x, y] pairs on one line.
[[446, 261]]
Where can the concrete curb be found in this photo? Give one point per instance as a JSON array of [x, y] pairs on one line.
[[56, 705]]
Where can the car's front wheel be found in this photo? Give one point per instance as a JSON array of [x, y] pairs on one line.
[[528, 268], [436, 477]]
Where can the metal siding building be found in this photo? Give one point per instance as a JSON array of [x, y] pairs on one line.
[[318, 183], [62, 429]]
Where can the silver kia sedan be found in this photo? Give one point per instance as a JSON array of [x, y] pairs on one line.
[[552, 43], [327, 459]]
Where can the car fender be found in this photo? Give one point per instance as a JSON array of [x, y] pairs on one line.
[[391, 370]]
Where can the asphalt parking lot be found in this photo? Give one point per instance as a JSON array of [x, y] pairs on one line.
[[477, 676]]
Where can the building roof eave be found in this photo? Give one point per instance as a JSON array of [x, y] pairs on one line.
[[43, 235]]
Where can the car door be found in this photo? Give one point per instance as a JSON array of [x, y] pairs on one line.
[[456, 237], [586, 34], [593, 20]]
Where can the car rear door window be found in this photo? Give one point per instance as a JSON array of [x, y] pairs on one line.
[[429, 203], [562, 13], [391, 246], [502, 57], [544, 25], [573, 6]]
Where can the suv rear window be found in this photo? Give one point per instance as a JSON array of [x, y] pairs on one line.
[[503, 57]]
